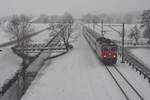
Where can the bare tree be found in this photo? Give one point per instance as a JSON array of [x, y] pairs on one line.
[[65, 35], [19, 27], [134, 34], [68, 21], [64, 24], [145, 23]]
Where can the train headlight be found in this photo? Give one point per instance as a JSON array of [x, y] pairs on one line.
[[114, 56], [105, 56]]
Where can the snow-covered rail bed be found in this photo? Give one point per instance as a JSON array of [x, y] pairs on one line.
[[124, 85], [137, 81], [131, 87]]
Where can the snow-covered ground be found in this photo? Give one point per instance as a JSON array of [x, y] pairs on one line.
[[4, 37], [77, 75], [41, 38], [142, 54], [9, 64], [39, 26]]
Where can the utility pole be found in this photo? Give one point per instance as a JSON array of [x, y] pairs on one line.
[[93, 26], [123, 31], [23, 63], [102, 29], [88, 25]]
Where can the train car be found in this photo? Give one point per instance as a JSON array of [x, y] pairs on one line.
[[105, 48]]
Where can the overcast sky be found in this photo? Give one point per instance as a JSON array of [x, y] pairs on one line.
[[76, 7]]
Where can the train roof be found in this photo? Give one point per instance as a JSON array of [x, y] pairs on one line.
[[103, 40], [99, 38]]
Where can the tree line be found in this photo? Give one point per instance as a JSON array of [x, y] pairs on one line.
[[135, 32], [116, 18]]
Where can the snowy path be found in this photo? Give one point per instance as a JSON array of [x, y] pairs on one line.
[[77, 75]]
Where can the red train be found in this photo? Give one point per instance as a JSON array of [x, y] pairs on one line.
[[105, 48]]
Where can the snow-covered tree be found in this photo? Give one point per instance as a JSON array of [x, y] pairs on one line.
[[134, 34], [145, 23]]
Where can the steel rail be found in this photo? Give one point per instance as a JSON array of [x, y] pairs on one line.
[[112, 75], [117, 83], [128, 82]]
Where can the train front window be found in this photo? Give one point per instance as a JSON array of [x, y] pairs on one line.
[[105, 49], [113, 49]]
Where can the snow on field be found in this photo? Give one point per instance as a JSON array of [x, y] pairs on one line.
[[77, 75], [142, 54], [137, 81], [4, 37], [9, 64], [39, 26], [43, 37]]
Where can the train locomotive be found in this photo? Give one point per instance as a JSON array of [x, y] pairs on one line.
[[104, 48]]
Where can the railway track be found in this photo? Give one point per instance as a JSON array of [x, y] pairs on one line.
[[127, 89], [124, 85]]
